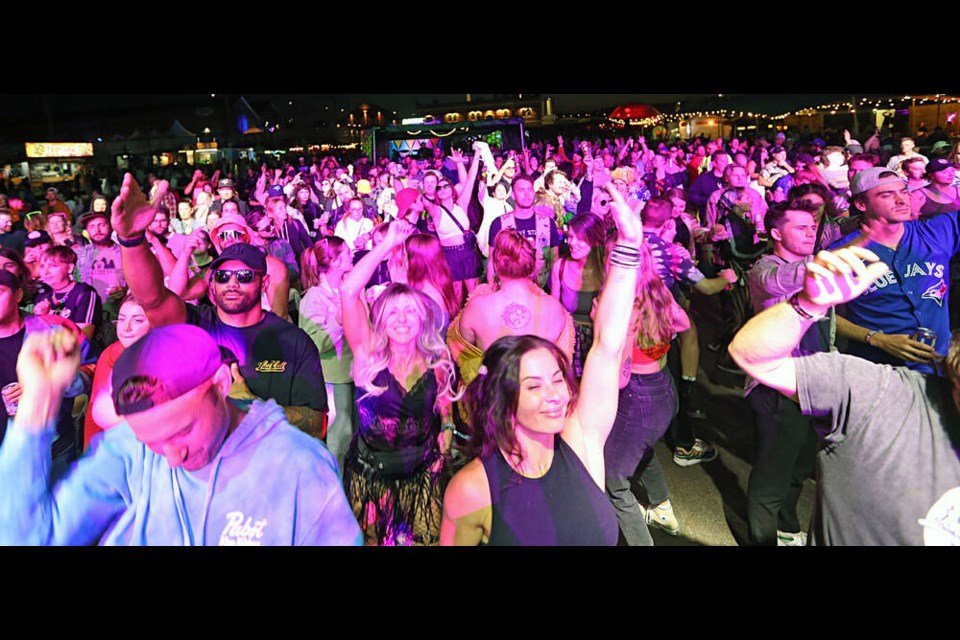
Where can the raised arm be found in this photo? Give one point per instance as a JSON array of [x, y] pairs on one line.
[[597, 405], [466, 191], [164, 256], [131, 214], [179, 276], [764, 347], [88, 498], [356, 318]]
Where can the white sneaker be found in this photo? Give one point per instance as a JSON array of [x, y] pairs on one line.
[[791, 539], [663, 518]]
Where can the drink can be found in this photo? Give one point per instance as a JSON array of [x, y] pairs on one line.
[[10, 405], [926, 336]]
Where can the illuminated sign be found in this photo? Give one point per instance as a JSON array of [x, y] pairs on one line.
[[412, 121], [59, 149]]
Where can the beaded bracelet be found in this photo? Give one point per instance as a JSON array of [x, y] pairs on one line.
[[626, 257]]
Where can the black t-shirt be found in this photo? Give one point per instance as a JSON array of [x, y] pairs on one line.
[[81, 305], [528, 229], [9, 351], [277, 359]]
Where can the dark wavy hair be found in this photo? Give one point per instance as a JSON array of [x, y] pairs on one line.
[[492, 399], [817, 189]]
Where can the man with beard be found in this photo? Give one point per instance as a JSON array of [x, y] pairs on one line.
[[99, 262], [536, 224], [274, 359]]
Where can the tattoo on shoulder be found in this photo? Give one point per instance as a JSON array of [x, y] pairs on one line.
[[516, 316]]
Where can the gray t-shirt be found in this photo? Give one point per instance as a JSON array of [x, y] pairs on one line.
[[893, 452]]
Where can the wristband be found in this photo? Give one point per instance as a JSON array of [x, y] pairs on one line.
[[130, 243], [803, 313], [869, 337]]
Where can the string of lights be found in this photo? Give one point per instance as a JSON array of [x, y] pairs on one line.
[[876, 104]]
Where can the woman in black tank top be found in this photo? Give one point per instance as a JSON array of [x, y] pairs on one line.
[[536, 439]]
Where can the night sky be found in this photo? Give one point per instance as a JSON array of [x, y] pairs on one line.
[[19, 105]]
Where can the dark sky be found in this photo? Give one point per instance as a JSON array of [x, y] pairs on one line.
[[19, 105]]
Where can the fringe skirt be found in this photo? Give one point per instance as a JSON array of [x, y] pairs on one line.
[[396, 496]]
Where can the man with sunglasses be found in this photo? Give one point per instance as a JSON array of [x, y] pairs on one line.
[[274, 359], [231, 229]]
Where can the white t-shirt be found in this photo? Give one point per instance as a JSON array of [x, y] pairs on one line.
[[350, 229]]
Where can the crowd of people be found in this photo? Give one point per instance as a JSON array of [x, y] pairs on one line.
[[482, 346]]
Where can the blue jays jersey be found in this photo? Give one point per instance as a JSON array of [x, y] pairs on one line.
[[913, 293]]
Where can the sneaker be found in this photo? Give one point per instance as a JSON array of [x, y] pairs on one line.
[[791, 539], [663, 518], [699, 452]]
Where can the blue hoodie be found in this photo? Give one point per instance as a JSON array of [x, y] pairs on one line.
[[270, 484]]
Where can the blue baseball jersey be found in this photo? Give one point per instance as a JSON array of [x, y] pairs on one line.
[[913, 293]]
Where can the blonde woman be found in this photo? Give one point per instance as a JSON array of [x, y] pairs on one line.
[[394, 472]]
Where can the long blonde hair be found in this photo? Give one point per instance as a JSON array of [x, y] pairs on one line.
[[653, 303], [430, 343]]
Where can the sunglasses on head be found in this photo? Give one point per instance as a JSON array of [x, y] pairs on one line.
[[232, 234], [244, 276]]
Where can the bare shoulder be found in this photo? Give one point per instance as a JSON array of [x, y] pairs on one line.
[[468, 491], [467, 508]]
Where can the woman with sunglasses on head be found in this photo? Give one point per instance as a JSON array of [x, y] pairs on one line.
[[394, 472], [450, 219], [537, 437]]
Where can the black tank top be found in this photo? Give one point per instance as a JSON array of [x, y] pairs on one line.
[[564, 508]]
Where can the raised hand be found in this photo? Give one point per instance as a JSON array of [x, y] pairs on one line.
[[837, 277], [46, 367], [131, 212], [628, 223], [398, 232]]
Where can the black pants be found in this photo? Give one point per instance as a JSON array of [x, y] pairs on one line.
[[786, 449]]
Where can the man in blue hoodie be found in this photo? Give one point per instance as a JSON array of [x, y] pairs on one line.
[[188, 467]]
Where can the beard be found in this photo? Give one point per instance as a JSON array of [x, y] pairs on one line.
[[242, 302]]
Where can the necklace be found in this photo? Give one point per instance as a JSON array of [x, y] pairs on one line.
[[53, 296]]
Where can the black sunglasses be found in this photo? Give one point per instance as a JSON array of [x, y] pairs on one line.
[[244, 276]]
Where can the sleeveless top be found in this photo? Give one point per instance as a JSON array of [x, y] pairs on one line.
[[933, 208], [399, 419], [563, 508], [578, 303], [448, 230]]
